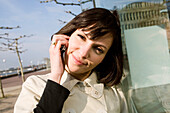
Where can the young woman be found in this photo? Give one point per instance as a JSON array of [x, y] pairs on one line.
[[82, 78]]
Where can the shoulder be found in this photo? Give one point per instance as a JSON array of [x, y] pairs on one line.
[[35, 83], [30, 94], [118, 93], [122, 100], [115, 100], [112, 93], [40, 78]]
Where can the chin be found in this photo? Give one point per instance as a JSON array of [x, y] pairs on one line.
[[70, 69], [74, 70]]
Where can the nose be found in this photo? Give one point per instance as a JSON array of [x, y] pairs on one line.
[[85, 51]]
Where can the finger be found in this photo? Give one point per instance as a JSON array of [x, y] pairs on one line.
[[57, 38], [57, 48], [63, 42], [54, 42], [60, 36], [60, 44]]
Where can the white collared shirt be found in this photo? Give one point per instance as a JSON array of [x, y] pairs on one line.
[[86, 96], [89, 96]]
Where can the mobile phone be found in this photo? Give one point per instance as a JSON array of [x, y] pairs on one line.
[[63, 49]]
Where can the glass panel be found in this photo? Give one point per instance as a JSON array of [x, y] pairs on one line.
[[148, 56], [146, 47]]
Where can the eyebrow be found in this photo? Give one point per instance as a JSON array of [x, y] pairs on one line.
[[91, 39], [84, 34], [101, 45]]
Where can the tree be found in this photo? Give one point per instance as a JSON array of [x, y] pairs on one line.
[[2, 27], [80, 2], [13, 45], [73, 4], [1, 86]]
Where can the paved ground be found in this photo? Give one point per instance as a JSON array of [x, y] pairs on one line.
[[12, 88]]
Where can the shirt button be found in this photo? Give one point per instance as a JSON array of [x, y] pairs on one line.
[[101, 111], [96, 93], [70, 110]]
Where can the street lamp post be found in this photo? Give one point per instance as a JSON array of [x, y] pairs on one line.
[[4, 61], [31, 64]]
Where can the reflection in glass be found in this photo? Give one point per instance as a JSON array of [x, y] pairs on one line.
[[146, 45]]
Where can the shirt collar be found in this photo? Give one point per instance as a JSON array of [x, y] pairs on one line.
[[97, 88], [91, 82], [68, 81]]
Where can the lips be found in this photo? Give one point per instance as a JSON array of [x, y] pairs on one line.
[[77, 61]]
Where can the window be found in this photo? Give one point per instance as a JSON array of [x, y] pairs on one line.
[[147, 45]]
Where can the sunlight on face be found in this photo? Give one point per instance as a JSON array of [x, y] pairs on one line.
[[84, 54]]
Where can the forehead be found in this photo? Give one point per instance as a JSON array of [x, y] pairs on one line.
[[89, 33], [106, 39]]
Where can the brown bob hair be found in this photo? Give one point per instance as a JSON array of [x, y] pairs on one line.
[[100, 21]]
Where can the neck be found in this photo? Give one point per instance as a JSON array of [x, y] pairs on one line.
[[79, 76]]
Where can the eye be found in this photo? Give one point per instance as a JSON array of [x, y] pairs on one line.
[[82, 37], [99, 50]]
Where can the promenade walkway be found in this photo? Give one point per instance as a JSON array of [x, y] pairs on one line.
[[12, 88]]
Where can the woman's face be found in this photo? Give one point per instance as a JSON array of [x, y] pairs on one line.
[[84, 54]]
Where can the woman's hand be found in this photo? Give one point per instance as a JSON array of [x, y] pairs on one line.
[[57, 64]]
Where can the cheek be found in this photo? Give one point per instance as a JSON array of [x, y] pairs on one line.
[[73, 41], [71, 45], [98, 59]]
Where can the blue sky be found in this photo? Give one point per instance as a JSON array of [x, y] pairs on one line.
[[39, 19]]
